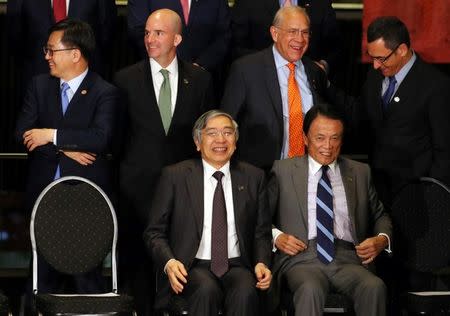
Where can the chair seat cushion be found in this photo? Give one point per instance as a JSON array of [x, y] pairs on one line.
[[83, 304], [427, 303]]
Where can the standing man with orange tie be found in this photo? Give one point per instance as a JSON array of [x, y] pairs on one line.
[[269, 92]]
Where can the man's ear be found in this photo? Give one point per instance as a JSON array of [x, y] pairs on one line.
[[177, 40], [274, 33]]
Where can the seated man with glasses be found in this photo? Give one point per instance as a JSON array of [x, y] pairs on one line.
[[269, 92], [67, 125], [209, 227]]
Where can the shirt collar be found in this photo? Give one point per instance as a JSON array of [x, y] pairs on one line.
[[75, 83], [280, 62], [172, 67], [314, 166], [209, 170]]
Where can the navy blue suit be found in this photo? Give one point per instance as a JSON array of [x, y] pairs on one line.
[[86, 126], [205, 38], [30, 20]]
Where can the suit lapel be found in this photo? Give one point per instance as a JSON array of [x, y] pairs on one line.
[[195, 187], [55, 98], [300, 184], [239, 187], [273, 85], [181, 105], [349, 181], [81, 94]]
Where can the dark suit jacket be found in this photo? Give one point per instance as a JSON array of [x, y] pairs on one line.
[[288, 198], [87, 126], [252, 19], [176, 217], [147, 149], [252, 96], [30, 20], [411, 139], [205, 38]]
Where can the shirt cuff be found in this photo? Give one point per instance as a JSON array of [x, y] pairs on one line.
[[54, 136], [388, 249], [275, 233]]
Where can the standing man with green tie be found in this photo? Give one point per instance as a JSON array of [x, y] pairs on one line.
[[162, 97]]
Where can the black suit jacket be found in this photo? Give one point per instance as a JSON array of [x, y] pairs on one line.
[[251, 21], [410, 139], [206, 37], [30, 20], [176, 216], [147, 149], [87, 125], [252, 96]]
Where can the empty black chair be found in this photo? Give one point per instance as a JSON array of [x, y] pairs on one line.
[[74, 227], [421, 218]]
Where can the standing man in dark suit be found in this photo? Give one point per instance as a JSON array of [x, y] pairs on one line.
[[257, 93], [329, 222], [30, 20], [209, 227], [251, 20], [205, 24], [405, 107], [159, 116], [66, 124]]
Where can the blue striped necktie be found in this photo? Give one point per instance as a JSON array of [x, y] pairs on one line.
[[386, 98], [325, 218]]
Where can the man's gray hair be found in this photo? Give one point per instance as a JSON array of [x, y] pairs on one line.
[[201, 122], [277, 20]]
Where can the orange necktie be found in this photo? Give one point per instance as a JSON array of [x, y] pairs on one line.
[[296, 142], [59, 10]]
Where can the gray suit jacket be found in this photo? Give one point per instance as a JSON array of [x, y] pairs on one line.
[[288, 195]]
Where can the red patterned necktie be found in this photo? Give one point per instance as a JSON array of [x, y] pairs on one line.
[[59, 10], [185, 6]]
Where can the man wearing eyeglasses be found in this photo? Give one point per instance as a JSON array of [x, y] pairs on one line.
[[405, 108], [209, 227], [66, 124], [269, 92]]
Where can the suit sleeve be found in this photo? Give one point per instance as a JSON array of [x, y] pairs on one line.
[[156, 233], [234, 93], [263, 234], [214, 54], [97, 138], [438, 116]]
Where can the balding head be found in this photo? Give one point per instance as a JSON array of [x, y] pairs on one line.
[[162, 36]]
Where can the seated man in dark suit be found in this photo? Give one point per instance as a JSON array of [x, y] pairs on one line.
[[330, 222], [67, 124], [209, 227]]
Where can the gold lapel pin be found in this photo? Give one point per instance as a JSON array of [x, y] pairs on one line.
[[240, 188], [185, 81], [83, 92]]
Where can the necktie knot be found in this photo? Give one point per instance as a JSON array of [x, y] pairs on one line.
[[291, 67], [165, 73], [392, 80], [218, 175], [64, 87], [386, 98]]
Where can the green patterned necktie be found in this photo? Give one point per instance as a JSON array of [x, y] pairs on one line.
[[165, 100]]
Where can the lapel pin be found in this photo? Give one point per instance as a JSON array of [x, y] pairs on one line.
[[83, 92], [240, 188], [349, 179], [396, 99], [185, 81]]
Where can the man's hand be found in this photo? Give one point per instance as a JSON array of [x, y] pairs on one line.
[[82, 158], [289, 244], [176, 273], [37, 137], [369, 249], [263, 275]]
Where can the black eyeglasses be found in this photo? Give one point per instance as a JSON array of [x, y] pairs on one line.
[[382, 60], [50, 51]]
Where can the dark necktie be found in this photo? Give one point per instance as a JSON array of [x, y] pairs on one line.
[[325, 218], [64, 105], [219, 231], [59, 10], [389, 92]]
